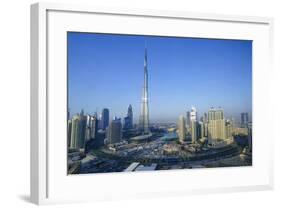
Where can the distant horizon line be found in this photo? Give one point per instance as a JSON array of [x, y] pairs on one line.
[[151, 118]]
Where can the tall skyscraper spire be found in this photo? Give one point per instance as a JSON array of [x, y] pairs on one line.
[[144, 118]]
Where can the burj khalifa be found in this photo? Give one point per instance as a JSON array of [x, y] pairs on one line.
[[144, 115]]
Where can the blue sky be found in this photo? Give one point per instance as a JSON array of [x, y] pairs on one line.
[[106, 71]]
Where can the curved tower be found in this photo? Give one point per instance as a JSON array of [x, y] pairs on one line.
[[144, 118]]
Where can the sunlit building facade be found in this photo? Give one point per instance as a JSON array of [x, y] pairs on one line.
[[216, 124], [115, 131], [181, 129]]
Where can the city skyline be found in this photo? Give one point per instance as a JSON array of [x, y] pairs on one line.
[[174, 84], [113, 142]]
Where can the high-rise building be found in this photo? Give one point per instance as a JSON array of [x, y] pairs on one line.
[[104, 118], [194, 131], [88, 128], [87, 133], [202, 130], [181, 129], [78, 131], [114, 133], [82, 131], [229, 129], [93, 127], [216, 124], [126, 123], [244, 120], [130, 115], [193, 114], [250, 136], [82, 113], [205, 118], [99, 121], [128, 120], [205, 125], [69, 126], [188, 119], [74, 131], [144, 115]]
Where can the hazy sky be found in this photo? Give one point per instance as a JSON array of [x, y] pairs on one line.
[[106, 71]]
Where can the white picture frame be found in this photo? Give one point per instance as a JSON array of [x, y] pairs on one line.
[[49, 181]]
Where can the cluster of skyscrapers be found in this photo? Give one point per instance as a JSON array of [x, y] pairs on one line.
[[82, 128], [212, 126]]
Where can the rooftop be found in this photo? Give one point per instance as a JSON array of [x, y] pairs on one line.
[[141, 137], [132, 167]]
